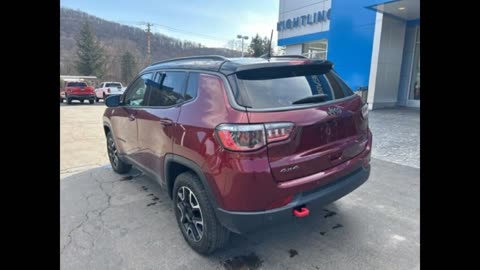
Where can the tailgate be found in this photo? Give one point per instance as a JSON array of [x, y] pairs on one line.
[[318, 141], [330, 121]]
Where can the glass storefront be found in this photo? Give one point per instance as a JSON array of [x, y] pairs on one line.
[[415, 86], [316, 49]]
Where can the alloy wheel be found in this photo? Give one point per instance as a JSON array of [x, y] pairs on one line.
[[190, 214]]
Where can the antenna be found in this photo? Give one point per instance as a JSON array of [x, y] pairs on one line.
[[270, 46]]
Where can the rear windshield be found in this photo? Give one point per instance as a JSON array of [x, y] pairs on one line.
[[113, 85], [289, 89], [81, 84]]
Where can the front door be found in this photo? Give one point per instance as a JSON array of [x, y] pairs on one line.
[[124, 118]]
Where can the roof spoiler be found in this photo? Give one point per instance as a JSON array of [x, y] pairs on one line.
[[281, 69]]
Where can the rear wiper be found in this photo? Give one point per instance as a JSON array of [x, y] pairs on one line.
[[311, 99]]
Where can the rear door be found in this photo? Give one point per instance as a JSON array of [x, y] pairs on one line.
[[329, 127], [157, 121]]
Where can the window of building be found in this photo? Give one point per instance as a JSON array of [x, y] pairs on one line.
[[315, 50], [415, 87]]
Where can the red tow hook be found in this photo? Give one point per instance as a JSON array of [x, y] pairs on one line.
[[303, 212]]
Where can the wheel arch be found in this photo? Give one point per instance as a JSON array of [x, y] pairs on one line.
[[175, 165]]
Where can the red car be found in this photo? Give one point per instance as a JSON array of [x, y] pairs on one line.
[[241, 143], [78, 91]]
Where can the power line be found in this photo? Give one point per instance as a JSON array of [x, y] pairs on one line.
[[192, 33]]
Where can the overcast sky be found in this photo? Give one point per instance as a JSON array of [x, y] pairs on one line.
[[212, 23]]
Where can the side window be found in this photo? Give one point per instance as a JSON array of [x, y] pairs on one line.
[[340, 89], [346, 89], [136, 93], [167, 89], [192, 86]]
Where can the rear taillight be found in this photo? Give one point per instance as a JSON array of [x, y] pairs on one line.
[[278, 131], [249, 137]]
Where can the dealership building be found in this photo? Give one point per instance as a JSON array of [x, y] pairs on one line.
[[374, 45]]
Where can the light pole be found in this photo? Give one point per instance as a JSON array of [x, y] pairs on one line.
[[242, 38]]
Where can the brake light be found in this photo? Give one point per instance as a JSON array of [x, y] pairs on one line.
[[249, 137], [300, 62], [278, 131]]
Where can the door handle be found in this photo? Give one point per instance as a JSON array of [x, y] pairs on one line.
[[131, 117], [166, 122], [335, 156]]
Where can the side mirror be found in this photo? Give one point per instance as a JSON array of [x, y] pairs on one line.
[[113, 101]]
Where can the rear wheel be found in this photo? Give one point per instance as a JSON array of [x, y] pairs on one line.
[[104, 96], [196, 216], [118, 165]]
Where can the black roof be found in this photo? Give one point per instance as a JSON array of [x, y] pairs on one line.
[[227, 65]]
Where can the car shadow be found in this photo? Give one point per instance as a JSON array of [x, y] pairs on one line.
[[139, 211]]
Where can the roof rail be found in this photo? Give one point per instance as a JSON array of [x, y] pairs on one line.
[[206, 57], [283, 56]]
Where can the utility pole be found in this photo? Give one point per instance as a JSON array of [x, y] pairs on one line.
[[242, 38], [149, 55]]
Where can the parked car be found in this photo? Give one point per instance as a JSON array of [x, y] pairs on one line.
[[241, 143], [79, 91], [106, 89]]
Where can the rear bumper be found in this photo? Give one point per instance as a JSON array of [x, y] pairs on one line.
[[241, 222], [84, 96]]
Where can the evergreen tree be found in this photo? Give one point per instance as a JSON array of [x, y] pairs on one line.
[[129, 67], [258, 46], [90, 58]]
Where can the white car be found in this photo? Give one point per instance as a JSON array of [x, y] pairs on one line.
[[106, 89]]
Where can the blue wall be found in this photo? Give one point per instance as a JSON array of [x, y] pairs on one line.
[[350, 39]]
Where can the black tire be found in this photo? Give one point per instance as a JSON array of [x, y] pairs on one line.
[[104, 96], [81, 101], [96, 99], [91, 101], [214, 236], [118, 165], [61, 100], [69, 101]]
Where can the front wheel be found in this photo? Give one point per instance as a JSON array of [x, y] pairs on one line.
[[196, 216], [118, 165]]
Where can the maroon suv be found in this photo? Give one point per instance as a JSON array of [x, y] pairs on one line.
[[241, 143]]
